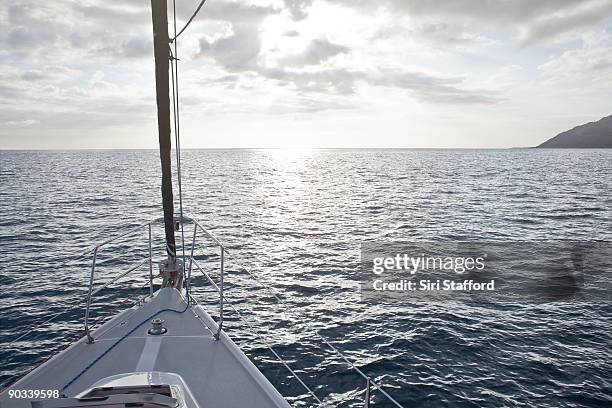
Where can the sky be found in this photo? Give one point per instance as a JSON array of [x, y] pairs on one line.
[[307, 73]]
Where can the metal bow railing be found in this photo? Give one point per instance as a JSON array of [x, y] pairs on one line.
[[96, 250], [220, 288]]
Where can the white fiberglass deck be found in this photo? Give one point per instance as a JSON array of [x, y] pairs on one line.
[[217, 372]]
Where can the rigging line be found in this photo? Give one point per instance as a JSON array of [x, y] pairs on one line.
[[278, 357], [327, 342], [265, 342], [189, 21], [66, 344], [38, 325], [35, 325], [178, 159], [177, 135]]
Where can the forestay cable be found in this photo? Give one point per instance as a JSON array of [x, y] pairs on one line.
[[188, 22], [177, 136]]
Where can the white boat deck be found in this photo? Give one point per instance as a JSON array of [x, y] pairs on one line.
[[217, 373]]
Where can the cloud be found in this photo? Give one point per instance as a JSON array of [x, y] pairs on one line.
[[424, 87], [296, 56], [592, 62], [317, 51], [549, 27], [449, 36], [482, 10], [48, 73], [21, 37], [233, 11], [307, 105], [120, 14], [56, 32], [328, 81], [22, 123], [236, 52], [298, 8], [136, 47], [239, 52], [439, 36], [442, 20], [123, 50], [239, 49], [434, 89]]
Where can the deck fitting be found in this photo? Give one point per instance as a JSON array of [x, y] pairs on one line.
[[157, 327]]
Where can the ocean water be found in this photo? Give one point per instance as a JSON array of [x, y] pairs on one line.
[[298, 218]]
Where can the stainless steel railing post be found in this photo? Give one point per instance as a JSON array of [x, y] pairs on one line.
[[221, 294], [195, 232], [150, 261], [366, 402], [90, 339], [220, 287]]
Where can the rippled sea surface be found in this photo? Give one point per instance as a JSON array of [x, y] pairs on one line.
[[298, 219]]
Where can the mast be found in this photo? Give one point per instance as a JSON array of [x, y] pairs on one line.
[[161, 46]]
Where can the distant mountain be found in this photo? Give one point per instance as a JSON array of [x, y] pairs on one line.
[[588, 136]]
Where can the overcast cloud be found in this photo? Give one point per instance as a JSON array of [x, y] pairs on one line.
[[304, 73]]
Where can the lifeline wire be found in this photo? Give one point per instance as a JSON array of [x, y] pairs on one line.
[[279, 301]]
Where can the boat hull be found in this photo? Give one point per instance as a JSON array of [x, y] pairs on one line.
[[216, 372]]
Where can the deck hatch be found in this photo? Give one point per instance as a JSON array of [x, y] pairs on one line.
[[161, 389]]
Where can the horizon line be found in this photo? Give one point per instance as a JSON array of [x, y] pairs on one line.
[[260, 148]]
